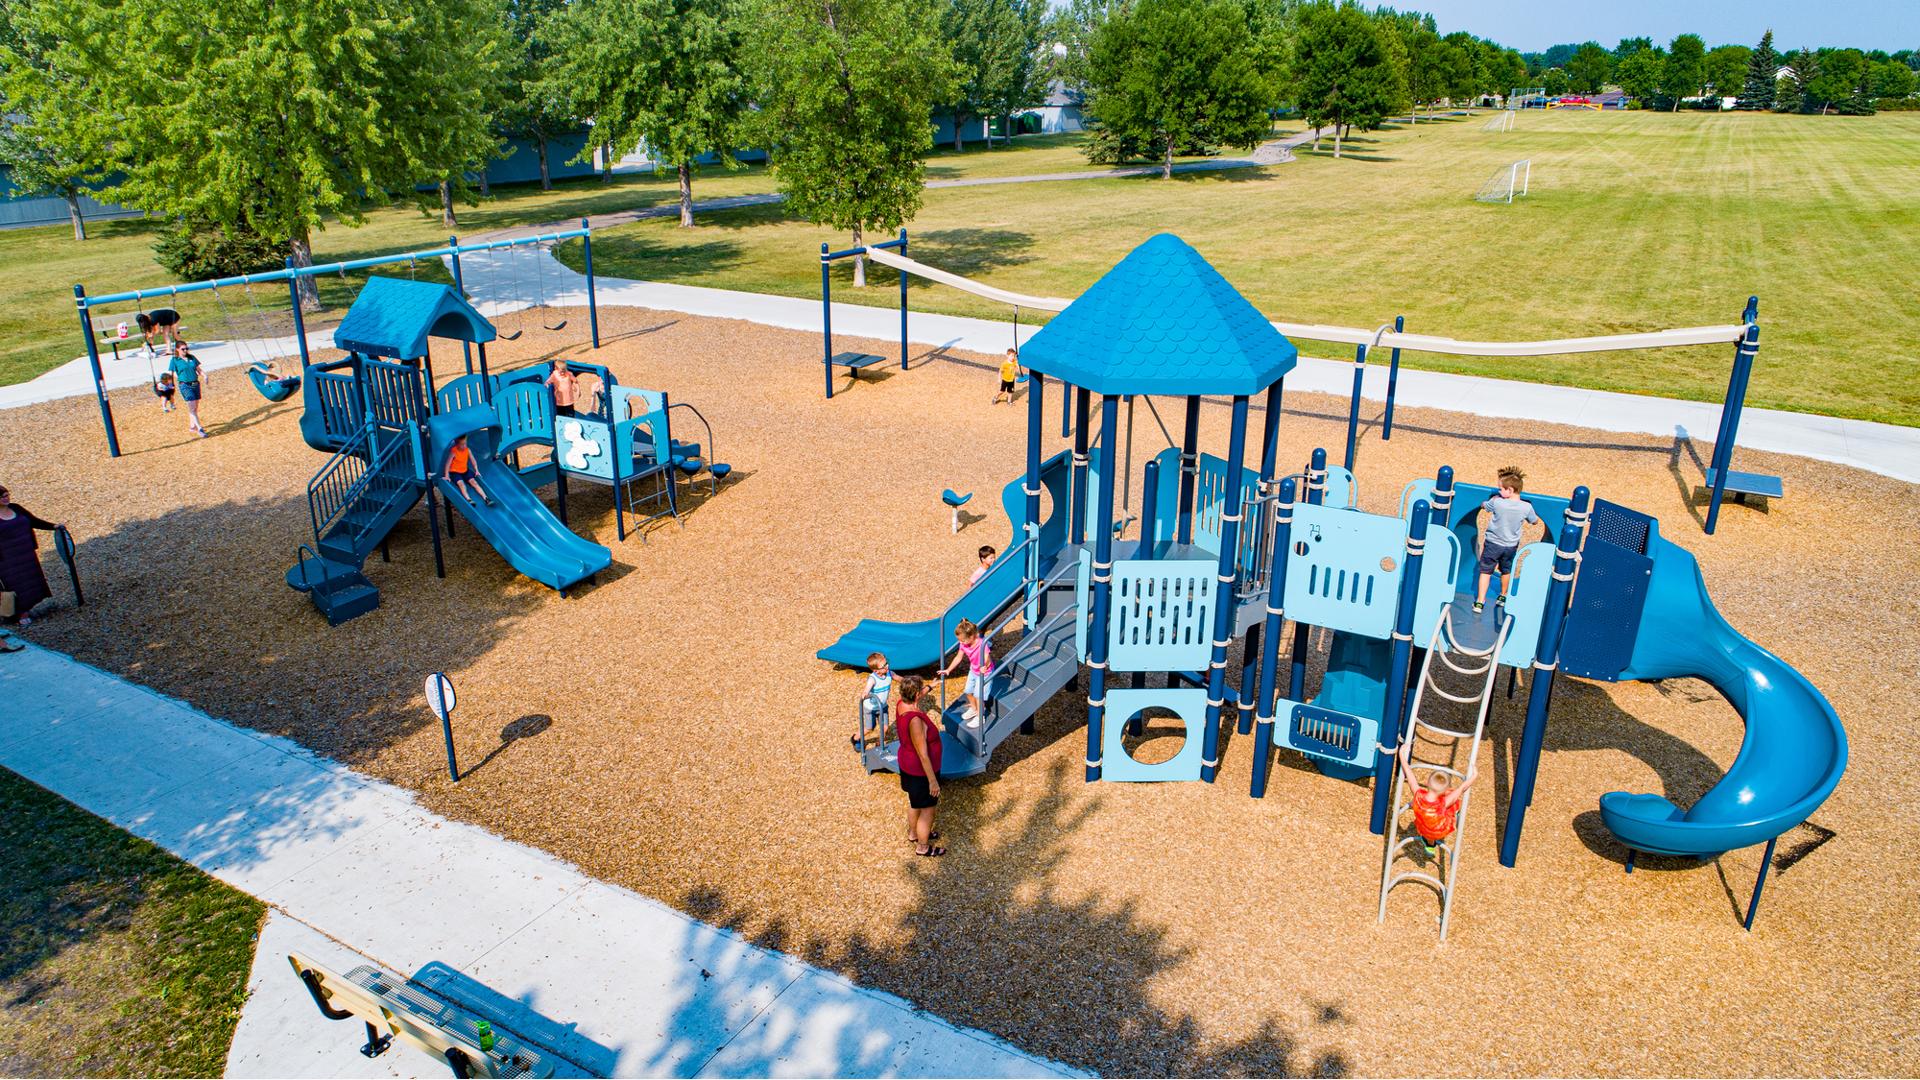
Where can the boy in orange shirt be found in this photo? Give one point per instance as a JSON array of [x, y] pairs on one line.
[[460, 470], [1436, 806]]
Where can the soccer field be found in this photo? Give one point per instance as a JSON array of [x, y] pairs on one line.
[[1635, 221]]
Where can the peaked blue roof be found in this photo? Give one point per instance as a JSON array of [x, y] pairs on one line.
[[1162, 321], [394, 318]]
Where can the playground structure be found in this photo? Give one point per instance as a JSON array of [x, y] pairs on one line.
[[1227, 551], [265, 348], [389, 429], [1719, 478]]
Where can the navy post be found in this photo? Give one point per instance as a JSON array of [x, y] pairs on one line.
[[1269, 456], [1082, 405], [1316, 491], [1232, 509], [1189, 467], [299, 318], [1723, 442], [460, 286], [1031, 489], [826, 313], [1393, 380], [1394, 713], [1270, 656], [903, 304], [1353, 407], [1526, 764], [93, 362], [593, 306], [1102, 584]]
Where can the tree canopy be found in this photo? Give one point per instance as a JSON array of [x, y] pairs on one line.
[[1345, 73], [1757, 90], [995, 46], [1685, 68], [1173, 73]]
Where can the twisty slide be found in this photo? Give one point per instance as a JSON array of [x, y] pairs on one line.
[[1795, 748], [518, 524]]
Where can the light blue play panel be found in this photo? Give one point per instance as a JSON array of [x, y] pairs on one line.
[[1340, 737], [1123, 705], [1162, 616], [1344, 570]]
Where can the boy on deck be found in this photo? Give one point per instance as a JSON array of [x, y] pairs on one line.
[[564, 385], [1507, 515]]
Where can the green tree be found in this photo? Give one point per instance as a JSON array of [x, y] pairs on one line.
[[1589, 67], [986, 39], [537, 105], [1639, 75], [1726, 69], [845, 90], [272, 116], [1757, 91], [1892, 79], [45, 145], [1468, 75], [1841, 71], [1555, 81], [1790, 93], [1346, 74], [1629, 46], [1685, 68], [1172, 73], [1427, 62]]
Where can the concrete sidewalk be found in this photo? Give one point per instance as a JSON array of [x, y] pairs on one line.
[[613, 983]]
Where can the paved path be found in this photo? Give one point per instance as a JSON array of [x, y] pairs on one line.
[[612, 982]]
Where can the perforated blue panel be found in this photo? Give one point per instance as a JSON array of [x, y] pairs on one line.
[[1608, 600], [1123, 705], [1344, 570], [1162, 615], [1527, 603], [1621, 527], [1326, 733]]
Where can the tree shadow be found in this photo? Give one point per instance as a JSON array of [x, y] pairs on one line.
[[1067, 977], [640, 254]]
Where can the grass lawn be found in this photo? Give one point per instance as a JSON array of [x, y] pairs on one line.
[[116, 959], [1636, 221]]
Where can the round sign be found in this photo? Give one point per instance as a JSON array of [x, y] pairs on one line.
[[440, 696]]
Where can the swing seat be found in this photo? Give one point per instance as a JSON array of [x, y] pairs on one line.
[[272, 389]]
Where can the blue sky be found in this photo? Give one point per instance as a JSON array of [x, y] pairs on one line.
[[1532, 25]]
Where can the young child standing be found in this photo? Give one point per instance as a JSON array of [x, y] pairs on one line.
[[460, 470], [1508, 514], [565, 385], [1436, 805], [978, 653], [986, 563], [1009, 371], [874, 699]]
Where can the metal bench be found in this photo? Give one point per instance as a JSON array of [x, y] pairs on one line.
[[390, 1006]]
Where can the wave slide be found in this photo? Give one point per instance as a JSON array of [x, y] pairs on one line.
[[517, 524], [1795, 747]]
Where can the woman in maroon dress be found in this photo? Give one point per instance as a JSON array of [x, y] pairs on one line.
[[20, 572]]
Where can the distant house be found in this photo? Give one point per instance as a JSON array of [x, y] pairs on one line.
[[1061, 111], [1784, 72], [1614, 98]]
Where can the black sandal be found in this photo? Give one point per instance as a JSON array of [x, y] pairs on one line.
[[930, 853], [931, 837]]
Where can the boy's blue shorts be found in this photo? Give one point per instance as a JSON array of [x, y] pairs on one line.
[[1496, 559]]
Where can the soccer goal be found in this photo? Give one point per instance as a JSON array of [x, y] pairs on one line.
[[1500, 121], [1507, 183]]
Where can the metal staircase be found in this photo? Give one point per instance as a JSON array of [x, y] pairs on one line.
[[1445, 741], [353, 502]]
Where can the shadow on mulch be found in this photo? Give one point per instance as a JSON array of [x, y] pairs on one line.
[[990, 942]]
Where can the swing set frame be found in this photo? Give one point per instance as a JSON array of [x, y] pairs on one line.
[[292, 274]]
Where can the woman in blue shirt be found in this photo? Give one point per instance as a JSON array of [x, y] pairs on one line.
[[186, 373]]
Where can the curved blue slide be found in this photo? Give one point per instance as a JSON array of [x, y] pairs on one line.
[[1795, 748], [518, 524]]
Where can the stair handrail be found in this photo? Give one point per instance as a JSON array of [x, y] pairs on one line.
[[306, 583], [342, 496], [1003, 614]]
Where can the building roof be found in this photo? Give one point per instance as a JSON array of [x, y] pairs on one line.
[[395, 318], [1162, 321]]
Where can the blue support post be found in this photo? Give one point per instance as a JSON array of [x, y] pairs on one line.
[[1150, 510], [1759, 883], [1269, 457], [1189, 470], [1102, 586], [903, 304], [460, 286], [1082, 406], [1225, 594], [826, 315], [593, 303], [1729, 434], [1526, 763], [1393, 715], [1276, 618], [93, 363], [1393, 380], [1315, 495], [299, 319], [1031, 488], [1353, 407]]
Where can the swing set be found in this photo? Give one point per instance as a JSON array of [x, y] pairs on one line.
[[257, 353]]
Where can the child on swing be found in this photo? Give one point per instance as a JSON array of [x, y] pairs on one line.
[[163, 388]]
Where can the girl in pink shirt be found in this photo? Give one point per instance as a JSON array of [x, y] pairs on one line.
[[978, 653]]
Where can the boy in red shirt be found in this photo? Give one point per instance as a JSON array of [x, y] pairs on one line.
[[1436, 805]]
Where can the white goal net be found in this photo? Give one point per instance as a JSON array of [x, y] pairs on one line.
[[1500, 121], [1507, 183]]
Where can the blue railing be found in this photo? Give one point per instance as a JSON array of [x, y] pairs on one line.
[[346, 478]]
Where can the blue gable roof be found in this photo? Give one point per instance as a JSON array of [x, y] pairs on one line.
[[394, 318], [1162, 321]]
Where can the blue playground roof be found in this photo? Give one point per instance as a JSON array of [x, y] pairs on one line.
[[394, 318], [1162, 321]]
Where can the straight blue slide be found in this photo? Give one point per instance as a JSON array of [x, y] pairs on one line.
[[517, 524], [1795, 747]]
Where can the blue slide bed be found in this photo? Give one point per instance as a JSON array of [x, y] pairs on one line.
[[1795, 748]]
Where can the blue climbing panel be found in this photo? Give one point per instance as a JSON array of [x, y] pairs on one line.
[[1123, 705], [526, 415], [1344, 570], [1439, 581], [583, 446], [1329, 734], [1527, 603], [1608, 601], [1162, 615]]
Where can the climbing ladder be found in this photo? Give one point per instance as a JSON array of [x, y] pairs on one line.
[[1430, 732]]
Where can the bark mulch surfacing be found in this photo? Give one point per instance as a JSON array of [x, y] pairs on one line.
[[669, 729]]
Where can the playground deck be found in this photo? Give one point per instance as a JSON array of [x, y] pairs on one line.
[[669, 730]]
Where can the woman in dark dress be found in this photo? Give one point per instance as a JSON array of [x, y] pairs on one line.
[[20, 572]]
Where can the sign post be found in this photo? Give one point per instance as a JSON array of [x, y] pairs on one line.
[[440, 698]]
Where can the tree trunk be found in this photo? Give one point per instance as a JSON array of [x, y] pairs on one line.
[[1337, 131], [606, 157], [686, 195], [73, 211], [859, 262], [959, 129], [546, 178], [446, 205], [486, 184], [301, 248], [1166, 161], [1316, 135]]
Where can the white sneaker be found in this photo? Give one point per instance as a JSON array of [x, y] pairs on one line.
[[973, 721]]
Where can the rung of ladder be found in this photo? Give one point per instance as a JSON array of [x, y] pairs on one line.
[[1415, 875], [1474, 700], [1438, 730], [1477, 669]]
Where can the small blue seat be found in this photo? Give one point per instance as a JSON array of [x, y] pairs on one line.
[[954, 502]]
